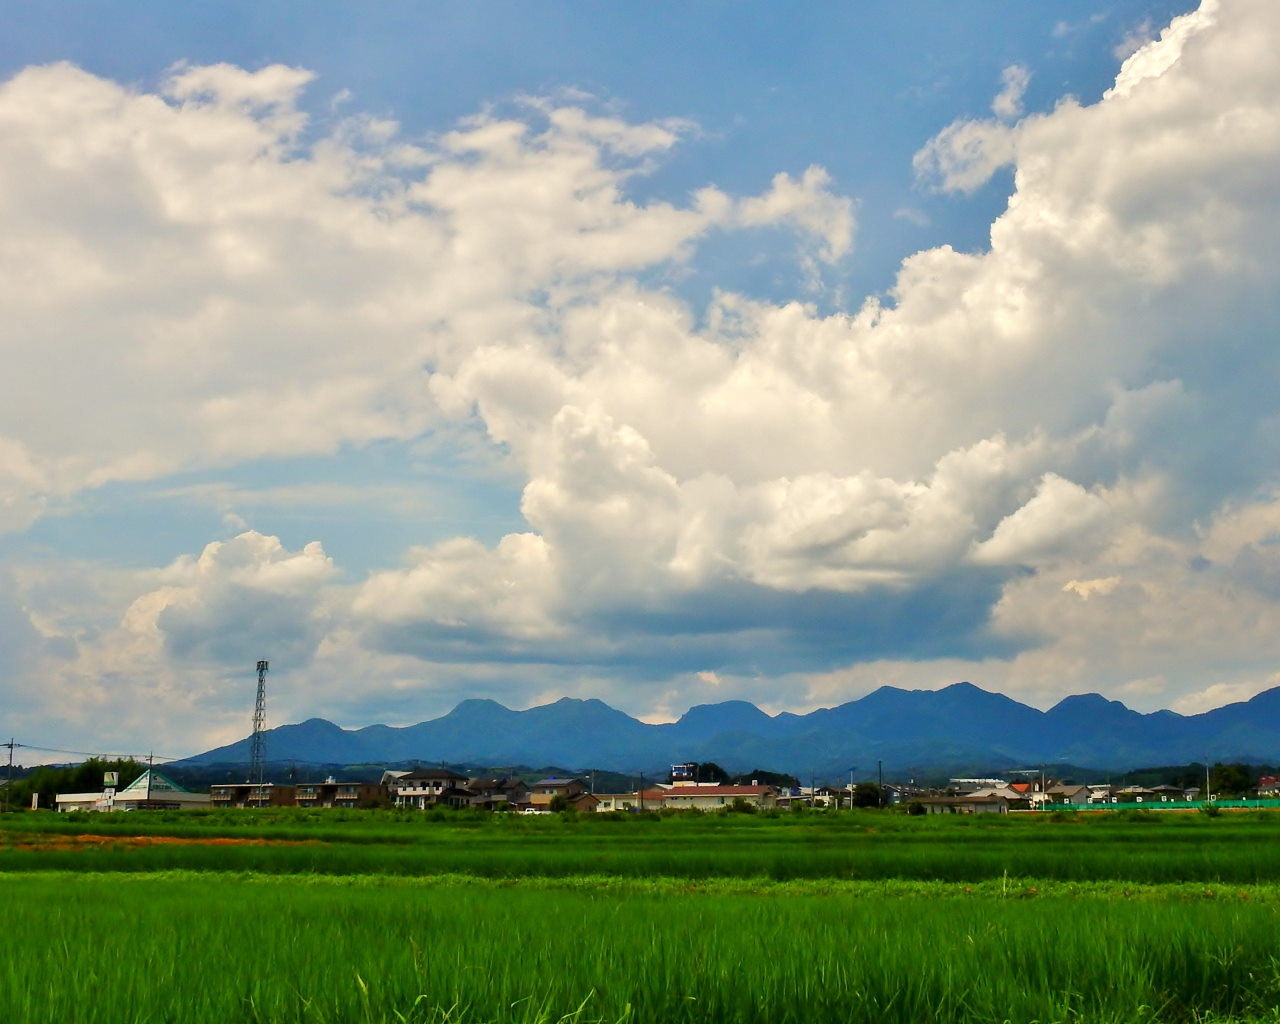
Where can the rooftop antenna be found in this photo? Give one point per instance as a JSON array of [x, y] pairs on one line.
[[257, 749]]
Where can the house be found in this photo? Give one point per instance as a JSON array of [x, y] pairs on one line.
[[791, 796], [150, 791], [812, 796], [898, 793], [827, 796], [1068, 794], [965, 786], [428, 787], [253, 794], [499, 793], [332, 793], [1031, 793], [606, 802], [1012, 796], [647, 799], [988, 803], [572, 791], [716, 798], [1133, 795]]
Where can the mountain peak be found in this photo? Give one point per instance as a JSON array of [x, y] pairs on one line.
[[1090, 704], [733, 714], [475, 703]]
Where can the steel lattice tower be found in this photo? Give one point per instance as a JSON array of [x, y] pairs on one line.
[[257, 751]]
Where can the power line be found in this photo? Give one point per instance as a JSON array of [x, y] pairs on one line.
[[183, 758], [90, 753]]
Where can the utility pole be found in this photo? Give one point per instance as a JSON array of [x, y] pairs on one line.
[[880, 797], [8, 786], [151, 760]]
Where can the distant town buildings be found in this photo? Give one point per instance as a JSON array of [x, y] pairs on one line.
[[427, 788]]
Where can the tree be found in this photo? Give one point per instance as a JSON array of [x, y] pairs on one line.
[[866, 794], [1230, 780], [48, 781], [766, 778], [709, 771]]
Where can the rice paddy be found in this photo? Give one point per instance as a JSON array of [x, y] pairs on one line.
[[835, 918]]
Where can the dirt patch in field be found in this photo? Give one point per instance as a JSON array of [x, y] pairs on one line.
[[61, 842]]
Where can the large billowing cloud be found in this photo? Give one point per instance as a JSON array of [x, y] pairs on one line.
[[1049, 465]]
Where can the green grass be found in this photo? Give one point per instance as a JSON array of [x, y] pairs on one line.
[[1237, 849], [223, 949], [471, 920]]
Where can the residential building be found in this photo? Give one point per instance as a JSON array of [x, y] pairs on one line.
[[715, 798], [988, 803], [428, 787], [332, 793], [253, 794], [1067, 794], [607, 802], [1133, 795], [545, 790], [499, 793], [963, 786], [649, 799]]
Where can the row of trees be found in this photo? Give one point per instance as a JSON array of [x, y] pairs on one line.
[[48, 781], [1227, 781]]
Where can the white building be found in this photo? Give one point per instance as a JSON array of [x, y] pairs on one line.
[[149, 791]]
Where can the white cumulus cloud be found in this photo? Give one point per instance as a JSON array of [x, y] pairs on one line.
[[192, 278]]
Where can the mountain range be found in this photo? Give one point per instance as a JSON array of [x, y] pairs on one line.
[[958, 728]]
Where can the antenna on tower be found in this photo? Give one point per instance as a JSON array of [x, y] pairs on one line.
[[257, 751]]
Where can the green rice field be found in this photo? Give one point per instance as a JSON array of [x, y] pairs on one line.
[[852, 917]]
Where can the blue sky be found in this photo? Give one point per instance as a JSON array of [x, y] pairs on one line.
[[661, 353]]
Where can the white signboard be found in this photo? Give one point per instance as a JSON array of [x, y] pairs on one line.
[[110, 779]]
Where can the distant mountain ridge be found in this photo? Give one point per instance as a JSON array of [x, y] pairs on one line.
[[959, 727]]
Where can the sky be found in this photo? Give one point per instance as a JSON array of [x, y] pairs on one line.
[[665, 354]]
